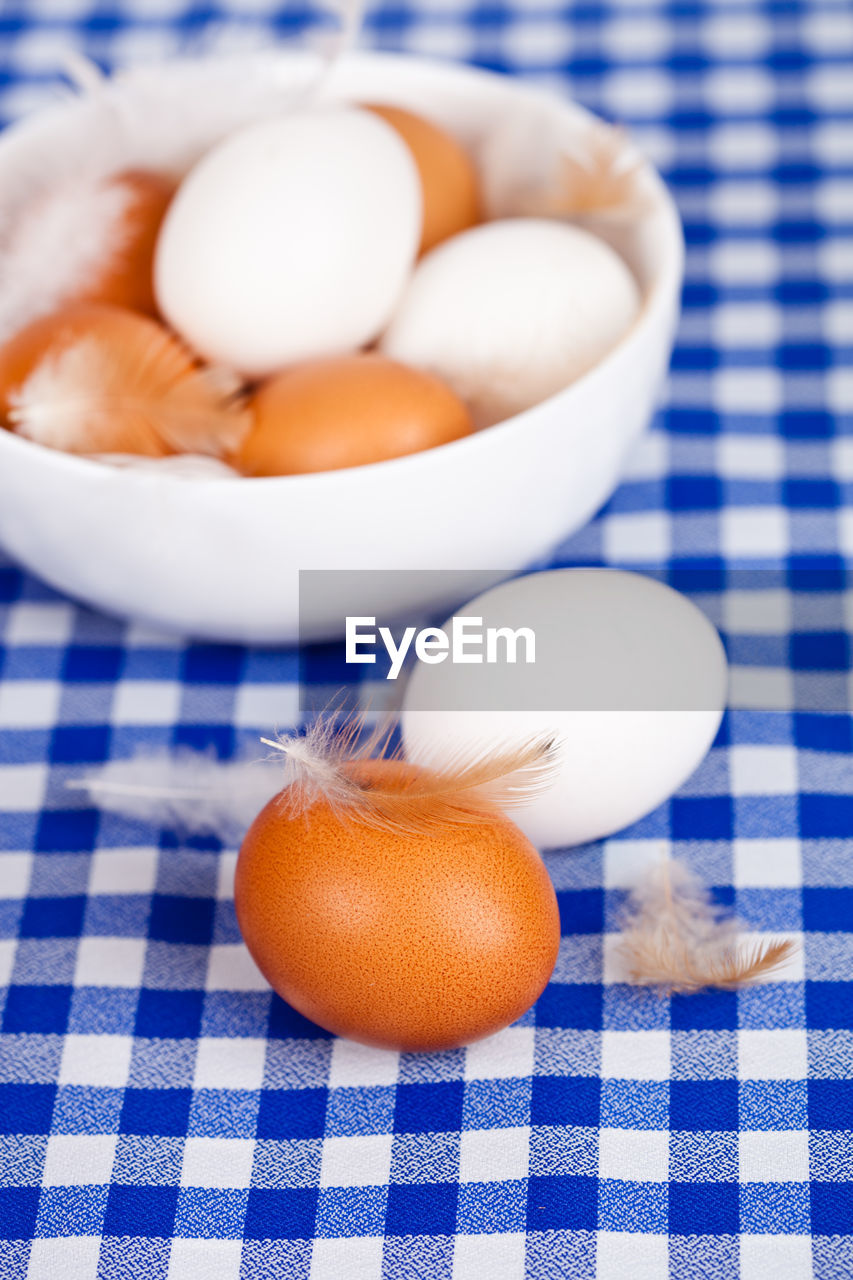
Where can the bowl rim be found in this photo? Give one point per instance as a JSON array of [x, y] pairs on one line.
[[666, 281]]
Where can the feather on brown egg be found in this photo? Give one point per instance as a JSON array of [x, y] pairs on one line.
[[93, 379]]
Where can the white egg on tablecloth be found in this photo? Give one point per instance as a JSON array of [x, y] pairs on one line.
[[629, 676], [511, 312], [292, 238]]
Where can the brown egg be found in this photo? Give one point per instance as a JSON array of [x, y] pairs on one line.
[[344, 411], [126, 275], [404, 941], [451, 187], [92, 378]]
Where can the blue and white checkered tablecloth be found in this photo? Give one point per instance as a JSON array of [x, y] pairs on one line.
[[162, 1114]]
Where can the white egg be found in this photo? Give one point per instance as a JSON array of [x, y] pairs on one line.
[[292, 238], [629, 676], [513, 311]]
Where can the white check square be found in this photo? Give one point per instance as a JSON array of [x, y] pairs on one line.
[[504, 1055], [744, 262], [774, 1155], [627, 862], [146, 702], [772, 1055], [760, 688], [763, 770], [22, 787], [775, 1257], [637, 536], [266, 706], [498, 1256], [78, 1159], [360, 1064], [217, 1162], [96, 1060], [841, 448], [40, 624], [615, 963], [205, 1259], [634, 1155], [231, 968], [230, 1062], [356, 1162], [735, 324], [356, 1258], [8, 947], [115, 871], [638, 92], [757, 613], [747, 391], [29, 704], [635, 1055], [845, 518], [494, 1155], [735, 34], [754, 531], [15, 872], [623, 1254], [110, 962], [64, 1258], [771, 864], [225, 875]]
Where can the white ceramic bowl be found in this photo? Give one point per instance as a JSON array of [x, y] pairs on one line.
[[220, 558]]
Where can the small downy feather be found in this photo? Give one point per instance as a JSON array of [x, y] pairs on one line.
[[103, 393], [322, 765], [190, 792], [53, 245], [601, 177], [674, 938], [532, 169]]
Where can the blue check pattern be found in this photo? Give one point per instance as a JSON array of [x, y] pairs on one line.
[[162, 1114]]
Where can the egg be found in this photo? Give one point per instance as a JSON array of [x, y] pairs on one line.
[[97, 379], [451, 187], [413, 942], [345, 411], [511, 312], [628, 675], [292, 238]]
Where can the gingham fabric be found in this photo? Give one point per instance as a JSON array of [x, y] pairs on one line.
[[162, 1114]]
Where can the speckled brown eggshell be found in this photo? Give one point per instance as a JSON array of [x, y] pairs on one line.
[[413, 942]]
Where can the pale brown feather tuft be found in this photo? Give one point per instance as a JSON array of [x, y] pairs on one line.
[[98, 393], [595, 175], [676, 939]]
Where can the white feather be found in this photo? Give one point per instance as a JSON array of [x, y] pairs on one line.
[[189, 792], [62, 398], [183, 466], [56, 245]]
